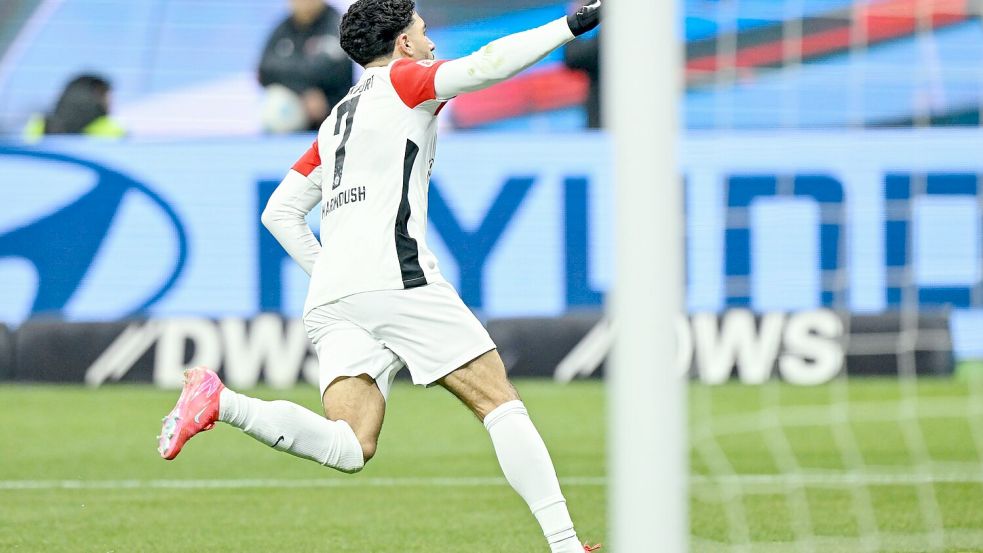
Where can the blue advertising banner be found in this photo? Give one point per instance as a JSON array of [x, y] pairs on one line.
[[859, 221], [99, 231]]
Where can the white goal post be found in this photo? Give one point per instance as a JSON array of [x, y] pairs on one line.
[[647, 453]]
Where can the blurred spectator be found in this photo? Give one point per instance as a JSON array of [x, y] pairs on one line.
[[83, 108], [584, 55], [304, 55]]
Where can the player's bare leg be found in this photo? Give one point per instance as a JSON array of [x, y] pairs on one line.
[[485, 389], [359, 402], [481, 384]]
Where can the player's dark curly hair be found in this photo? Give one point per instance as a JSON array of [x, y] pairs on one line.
[[370, 28]]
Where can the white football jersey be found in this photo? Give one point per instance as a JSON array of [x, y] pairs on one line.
[[373, 157]]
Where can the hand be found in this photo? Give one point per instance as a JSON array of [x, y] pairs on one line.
[[585, 19], [315, 104]]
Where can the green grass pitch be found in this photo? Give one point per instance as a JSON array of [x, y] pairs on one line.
[[79, 472]]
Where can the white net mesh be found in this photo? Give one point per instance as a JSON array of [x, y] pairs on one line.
[[886, 455]]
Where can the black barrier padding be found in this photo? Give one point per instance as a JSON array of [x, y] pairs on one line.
[[891, 321], [534, 346], [56, 351], [6, 353], [927, 363], [877, 347]]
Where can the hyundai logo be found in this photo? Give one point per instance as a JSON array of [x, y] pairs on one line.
[[94, 248]]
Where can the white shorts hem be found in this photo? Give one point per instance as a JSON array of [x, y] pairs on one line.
[[383, 379], [453, 365]]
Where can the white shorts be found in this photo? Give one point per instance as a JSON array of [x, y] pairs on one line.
[[427, 329]]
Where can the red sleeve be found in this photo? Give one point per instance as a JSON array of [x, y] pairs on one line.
[[413, 80], [309, 161]]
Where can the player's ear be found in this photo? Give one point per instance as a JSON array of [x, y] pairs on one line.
[[404, 46]]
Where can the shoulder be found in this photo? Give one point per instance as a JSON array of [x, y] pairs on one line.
[[330, 17], [34, 129], [414, 80], [308, 162], [406, 65], [280, 31], [105, 127], [285, 26]]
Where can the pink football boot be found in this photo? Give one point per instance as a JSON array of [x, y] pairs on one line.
[[196, 411]]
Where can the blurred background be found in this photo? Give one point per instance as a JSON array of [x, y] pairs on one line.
[[831, 158], [792, 203]]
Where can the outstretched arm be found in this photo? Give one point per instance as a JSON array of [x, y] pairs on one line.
[[508, 56], [298, 193]]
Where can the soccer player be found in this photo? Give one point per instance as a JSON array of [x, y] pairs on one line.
[[377, 302]]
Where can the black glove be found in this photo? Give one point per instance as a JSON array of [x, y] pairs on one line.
[[585, 19]]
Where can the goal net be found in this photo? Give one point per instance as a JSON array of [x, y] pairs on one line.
[[834, 259]]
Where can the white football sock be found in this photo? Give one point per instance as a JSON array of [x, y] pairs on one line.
[[289, 427], [529, 469]]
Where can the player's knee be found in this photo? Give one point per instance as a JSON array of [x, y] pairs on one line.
[[368, 449], [492, 399], [487, 400], [483, 385], [502, 392]]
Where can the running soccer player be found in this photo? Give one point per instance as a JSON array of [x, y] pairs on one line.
[[377, 301]]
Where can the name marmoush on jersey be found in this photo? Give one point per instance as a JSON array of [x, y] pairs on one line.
[[343, 198]]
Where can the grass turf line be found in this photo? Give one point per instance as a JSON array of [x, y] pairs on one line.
[[62, 433], [65, 433]]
